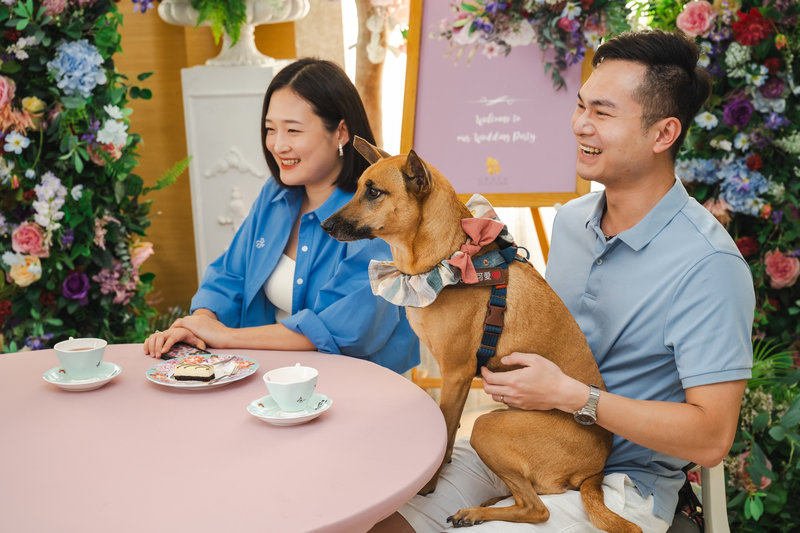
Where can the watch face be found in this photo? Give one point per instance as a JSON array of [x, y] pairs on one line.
[[584, 418]]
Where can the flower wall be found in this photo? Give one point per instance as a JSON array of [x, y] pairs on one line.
[[72, 217], [740, 160]]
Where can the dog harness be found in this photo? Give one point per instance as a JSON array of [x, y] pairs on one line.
[[461, 270]]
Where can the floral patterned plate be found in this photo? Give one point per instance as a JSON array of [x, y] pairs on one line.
[[161, 372]]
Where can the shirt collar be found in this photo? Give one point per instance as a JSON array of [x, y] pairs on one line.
[[659, 216], [336, 200]]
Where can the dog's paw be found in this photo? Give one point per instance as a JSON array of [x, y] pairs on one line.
[[462, 519]]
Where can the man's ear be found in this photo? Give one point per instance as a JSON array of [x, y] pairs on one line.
[[417, 175], [369, 152], [667, 132]]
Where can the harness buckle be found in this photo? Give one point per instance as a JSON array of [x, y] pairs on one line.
[[494, 315]]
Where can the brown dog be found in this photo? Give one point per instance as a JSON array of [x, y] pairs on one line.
[[411, 206]]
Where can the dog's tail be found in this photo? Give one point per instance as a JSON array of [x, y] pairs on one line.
[[601, 516]]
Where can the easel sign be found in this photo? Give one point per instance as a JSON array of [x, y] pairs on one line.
[[492, 126]]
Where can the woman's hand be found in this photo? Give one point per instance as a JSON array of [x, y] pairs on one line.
[[206, 327], [160, 342], [539, 384]]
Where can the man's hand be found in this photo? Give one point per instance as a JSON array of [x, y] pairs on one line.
[[539, 384]]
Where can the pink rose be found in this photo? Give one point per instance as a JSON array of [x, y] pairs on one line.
[[54, 7], [781, 269], [28, 238], [720, 209], [140, 251], [7, 90], [696, 18]]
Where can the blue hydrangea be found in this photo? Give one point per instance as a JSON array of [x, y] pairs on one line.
[[77, 68], [697, 170], [742, 188]]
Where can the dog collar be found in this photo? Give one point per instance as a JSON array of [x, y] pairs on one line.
[[420, 290]]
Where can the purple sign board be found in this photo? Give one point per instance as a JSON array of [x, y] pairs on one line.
[[491, 126]]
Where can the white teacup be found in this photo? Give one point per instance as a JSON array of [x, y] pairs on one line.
[[291, 386], [80, 357]]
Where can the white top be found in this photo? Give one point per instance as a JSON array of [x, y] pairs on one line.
[[278, 287]]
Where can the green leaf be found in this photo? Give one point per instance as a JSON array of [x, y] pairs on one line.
[[144, 75], [760, 422], [777, 433]]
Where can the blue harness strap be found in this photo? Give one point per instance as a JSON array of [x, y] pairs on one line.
[[496, 306]]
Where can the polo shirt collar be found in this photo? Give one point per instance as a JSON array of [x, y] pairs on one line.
[[646, 229]]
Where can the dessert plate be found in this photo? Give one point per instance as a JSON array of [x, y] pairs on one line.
[[106, 371], [267, 410], [161, 372]]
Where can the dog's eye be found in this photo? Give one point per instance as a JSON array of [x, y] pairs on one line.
[[373, 193]]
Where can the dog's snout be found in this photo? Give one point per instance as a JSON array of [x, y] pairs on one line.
[[328, 224]]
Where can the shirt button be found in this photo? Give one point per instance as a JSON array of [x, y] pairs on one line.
[[304, 248], [310, 216], [299, 281], [599, 261]]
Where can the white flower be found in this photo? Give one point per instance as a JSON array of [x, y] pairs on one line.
[[758, 78], [376, 53], [522, 35], [30, 173], [77, 192], [375, 23], [35, 269], [463, 37], [722, 145], [776, 190], [113, 111], [736, 55], [15, 142], [6, 167], [706, 120], [13, 259], [491, 50], [741, 141], [114, 132], [594, 39], [572, 10], [767, 105]]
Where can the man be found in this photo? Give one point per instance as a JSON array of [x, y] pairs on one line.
[[659, 289]]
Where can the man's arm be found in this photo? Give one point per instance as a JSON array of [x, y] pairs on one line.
[[701, 430]]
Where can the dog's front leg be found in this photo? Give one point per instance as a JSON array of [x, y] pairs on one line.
[[455, 387]]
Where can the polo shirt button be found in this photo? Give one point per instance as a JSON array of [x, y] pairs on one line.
[[304, 248], [311, 216], [299, 281], [599, 261]]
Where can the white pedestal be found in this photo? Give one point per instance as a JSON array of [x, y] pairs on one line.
[[222, 108]]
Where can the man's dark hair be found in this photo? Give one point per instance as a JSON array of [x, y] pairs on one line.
[[333, 97], [673, 84]]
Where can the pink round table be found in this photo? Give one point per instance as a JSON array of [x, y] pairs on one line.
[[135, 456]]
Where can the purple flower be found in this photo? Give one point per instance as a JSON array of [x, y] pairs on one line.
[[38, 342], [76, 287], [773, 88], [67, 238], [737, 112], [483, 25], [777, 216], [776, 121]]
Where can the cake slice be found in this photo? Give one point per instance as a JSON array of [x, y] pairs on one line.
[[193, 372]]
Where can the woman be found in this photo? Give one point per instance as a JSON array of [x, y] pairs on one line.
[[284, 284]]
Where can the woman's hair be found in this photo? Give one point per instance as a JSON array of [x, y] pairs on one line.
[[333, 97], [673, 84]]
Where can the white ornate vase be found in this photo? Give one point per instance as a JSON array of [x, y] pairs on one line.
[[244, 52]]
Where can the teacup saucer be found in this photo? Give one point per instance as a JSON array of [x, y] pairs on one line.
[[267, 410], [106, 371]]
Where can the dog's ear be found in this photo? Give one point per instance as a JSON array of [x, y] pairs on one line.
[[418, 177], [370, 153]]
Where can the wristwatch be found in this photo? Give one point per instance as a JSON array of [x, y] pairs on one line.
[[588, 414]]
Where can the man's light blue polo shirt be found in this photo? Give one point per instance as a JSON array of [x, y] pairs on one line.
[[665, 305]]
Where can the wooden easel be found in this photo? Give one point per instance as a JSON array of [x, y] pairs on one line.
[[531, 200]]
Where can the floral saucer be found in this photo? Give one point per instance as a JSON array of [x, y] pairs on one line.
[[267, 410], [106, 371], [161, 372]]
